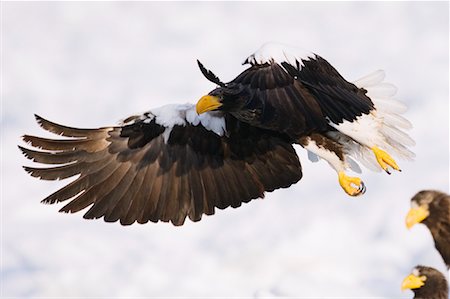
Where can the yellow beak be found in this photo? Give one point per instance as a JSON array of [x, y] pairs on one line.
[[413, 282], [207, 103], [416, 215]]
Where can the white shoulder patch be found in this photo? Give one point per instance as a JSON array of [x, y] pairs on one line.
[[169, 115], [179, 115], [213, 122], [278, 53]]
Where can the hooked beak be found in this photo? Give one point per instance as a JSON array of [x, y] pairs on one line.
[[416, 215], [413, 282], [207, 103]]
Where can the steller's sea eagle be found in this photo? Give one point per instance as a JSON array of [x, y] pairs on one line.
[[432, 208], [229, 148], [426, 283]]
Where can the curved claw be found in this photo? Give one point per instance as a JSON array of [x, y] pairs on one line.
[[353, 186], [362, 188]]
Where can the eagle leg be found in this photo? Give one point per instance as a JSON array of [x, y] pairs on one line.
[[384, 159], [332, 152], [353, 186]]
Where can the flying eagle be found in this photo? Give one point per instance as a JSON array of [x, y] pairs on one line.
[[432, 208], [426, 283], [232, 146]]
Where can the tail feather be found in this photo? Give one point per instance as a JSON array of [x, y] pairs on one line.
[[395, 134], [370, 79], [389, 106], [367, 158], [384, 127], [388, 114], [381, 91], [401, 150], [396, 120]]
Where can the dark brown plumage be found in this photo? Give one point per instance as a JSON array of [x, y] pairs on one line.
[[294, 100], [433, 283], [438, 221], [130, 173], [304, 97], [179, 161]]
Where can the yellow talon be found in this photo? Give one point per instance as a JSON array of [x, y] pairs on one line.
[[352, 186], [384, 159]]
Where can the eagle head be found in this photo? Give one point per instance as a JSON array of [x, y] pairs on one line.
[[222, 99]]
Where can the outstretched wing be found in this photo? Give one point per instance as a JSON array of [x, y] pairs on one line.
[[301, 87], [162, 166]]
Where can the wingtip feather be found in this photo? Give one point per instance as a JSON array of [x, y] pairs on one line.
[[25, 152]]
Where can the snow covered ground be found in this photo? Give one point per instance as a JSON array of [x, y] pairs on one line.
[[91, 64]]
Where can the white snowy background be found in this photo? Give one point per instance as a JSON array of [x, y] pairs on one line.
[[92, 64]]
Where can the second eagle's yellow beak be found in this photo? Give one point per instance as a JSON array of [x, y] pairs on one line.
[[413, 282], [416, 215], [207, 103]]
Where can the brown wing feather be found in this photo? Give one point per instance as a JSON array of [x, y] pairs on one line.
[[283, 102], [131, 173], [309, 96]]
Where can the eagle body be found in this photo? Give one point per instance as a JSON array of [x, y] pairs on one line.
[[234, 145], [286, 99], [432, 208], [426, 283]]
